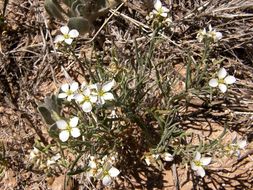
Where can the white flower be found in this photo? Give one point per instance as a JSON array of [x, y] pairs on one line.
[[160, 10], [216, 36], [201, 35], [67, 35], [34, 153], [68, 91], [86, 99], [222, 81], [109, 175], [102, 91], [68, 129], [198, 163], [241, 144], [211, 34], [236, 146], [92, 162], [102, 169], [167, 156], [53, 159]]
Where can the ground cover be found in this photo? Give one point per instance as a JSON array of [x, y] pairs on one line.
[[160, 110]]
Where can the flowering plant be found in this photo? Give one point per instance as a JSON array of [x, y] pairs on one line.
[[211, 34], [199, 163], [68, 128], [222, 81], [67, 35]]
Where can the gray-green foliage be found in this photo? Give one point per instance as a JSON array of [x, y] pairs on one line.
[[78, 13], [50, 109]]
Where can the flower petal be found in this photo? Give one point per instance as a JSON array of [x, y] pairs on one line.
[[68, 41], [61, 124], [218, 35], [93, 98], [62, 95], [74, 86], [230, 79], [64, 135], [50, 162], [59, 38], [158, 5], [167, 157], [242, 144], [108, 86], [73, 33], [147, 160], [70, 97], [92, 164], [79, 97], [223, 88], [205, 161], [65, 87], [222, 73], [73, 121], [108, 96], [64, 30], [201, 172], [213, 82], [107, 180], [87, 107], [94, 86], [113, 172], [56, 157], [75, 132], [197, 156], [165, 9], [164, 14], [194, 166], [86, 92]]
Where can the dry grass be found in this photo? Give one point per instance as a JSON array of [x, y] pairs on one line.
[[30, 69]]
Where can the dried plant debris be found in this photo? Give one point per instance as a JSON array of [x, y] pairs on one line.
[[126, 94]]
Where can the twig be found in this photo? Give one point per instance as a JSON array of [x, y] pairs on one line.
[[175, 176]]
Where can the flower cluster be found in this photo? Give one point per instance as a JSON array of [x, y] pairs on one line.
[[211, 34], [153, 158], [199, 163], [102, 169], [87, 95], [67, 35], [160, 12], [222, 81]]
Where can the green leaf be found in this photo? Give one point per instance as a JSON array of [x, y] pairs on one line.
[[46, 114], [54, 9], [50, 109], [80, 24]]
